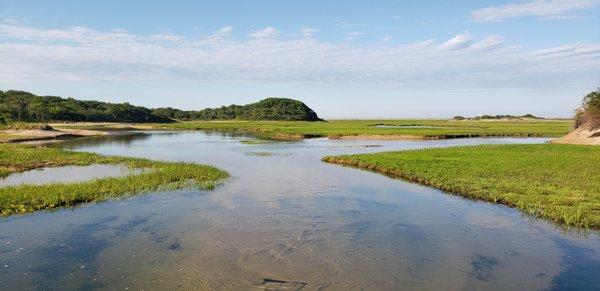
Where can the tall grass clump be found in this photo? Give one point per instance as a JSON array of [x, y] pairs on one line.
[[154, 176]]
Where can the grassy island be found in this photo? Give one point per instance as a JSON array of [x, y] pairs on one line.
[[553, 181], [385, 129], [155, 175]]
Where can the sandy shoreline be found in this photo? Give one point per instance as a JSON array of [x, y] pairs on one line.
[[21, 135], [580, 136]]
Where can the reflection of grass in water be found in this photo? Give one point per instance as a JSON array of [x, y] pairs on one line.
[[255, 141], [156, 176], [552, 181], [266, 154], [259, 154]]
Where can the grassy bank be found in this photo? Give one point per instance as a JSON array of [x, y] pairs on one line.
[[156, 176], [552, 181], [368, 128]]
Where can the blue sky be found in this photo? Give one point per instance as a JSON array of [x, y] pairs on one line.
[[388, 59]]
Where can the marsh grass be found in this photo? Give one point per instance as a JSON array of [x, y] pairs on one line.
[[20, 125], [426, 129], [156, 176], [552, 181]]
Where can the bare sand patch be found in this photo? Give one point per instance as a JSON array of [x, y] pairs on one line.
[[582, 136], [16, 135]]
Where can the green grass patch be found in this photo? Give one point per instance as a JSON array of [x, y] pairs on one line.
[[553, 181], [339, 128], [157, 175]]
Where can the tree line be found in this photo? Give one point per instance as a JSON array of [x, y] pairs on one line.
[[266, 109], [504, 116], [25, 106]]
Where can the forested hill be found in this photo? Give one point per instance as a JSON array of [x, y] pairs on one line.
[[24, 106], [266, 109]]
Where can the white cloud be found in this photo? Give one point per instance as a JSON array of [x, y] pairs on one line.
[[263, 33], [458, 42], [539, 8], [29, 54], [307, 31], [224, 31]]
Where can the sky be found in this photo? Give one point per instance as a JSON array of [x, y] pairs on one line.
[[344, 59]]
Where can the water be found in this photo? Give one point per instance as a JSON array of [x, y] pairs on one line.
[[288, 220], [68, 174]]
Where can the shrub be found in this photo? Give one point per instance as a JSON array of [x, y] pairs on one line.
[[588, 114]]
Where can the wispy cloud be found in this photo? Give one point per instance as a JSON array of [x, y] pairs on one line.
[[384, 39], [489, 42], [458, 42], [348, 25], [224, 31], [307, 31], [263, 33], [538, 8], [350, 36], [78, 54]]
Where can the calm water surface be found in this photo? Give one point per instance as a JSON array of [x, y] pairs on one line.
[[68, 174], [287, 220]]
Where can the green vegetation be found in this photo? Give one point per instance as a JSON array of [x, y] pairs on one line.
[[266, 109], [20, 125], [552, 181], [368, 128], [155, 176], [589, 113], [24, 106]]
